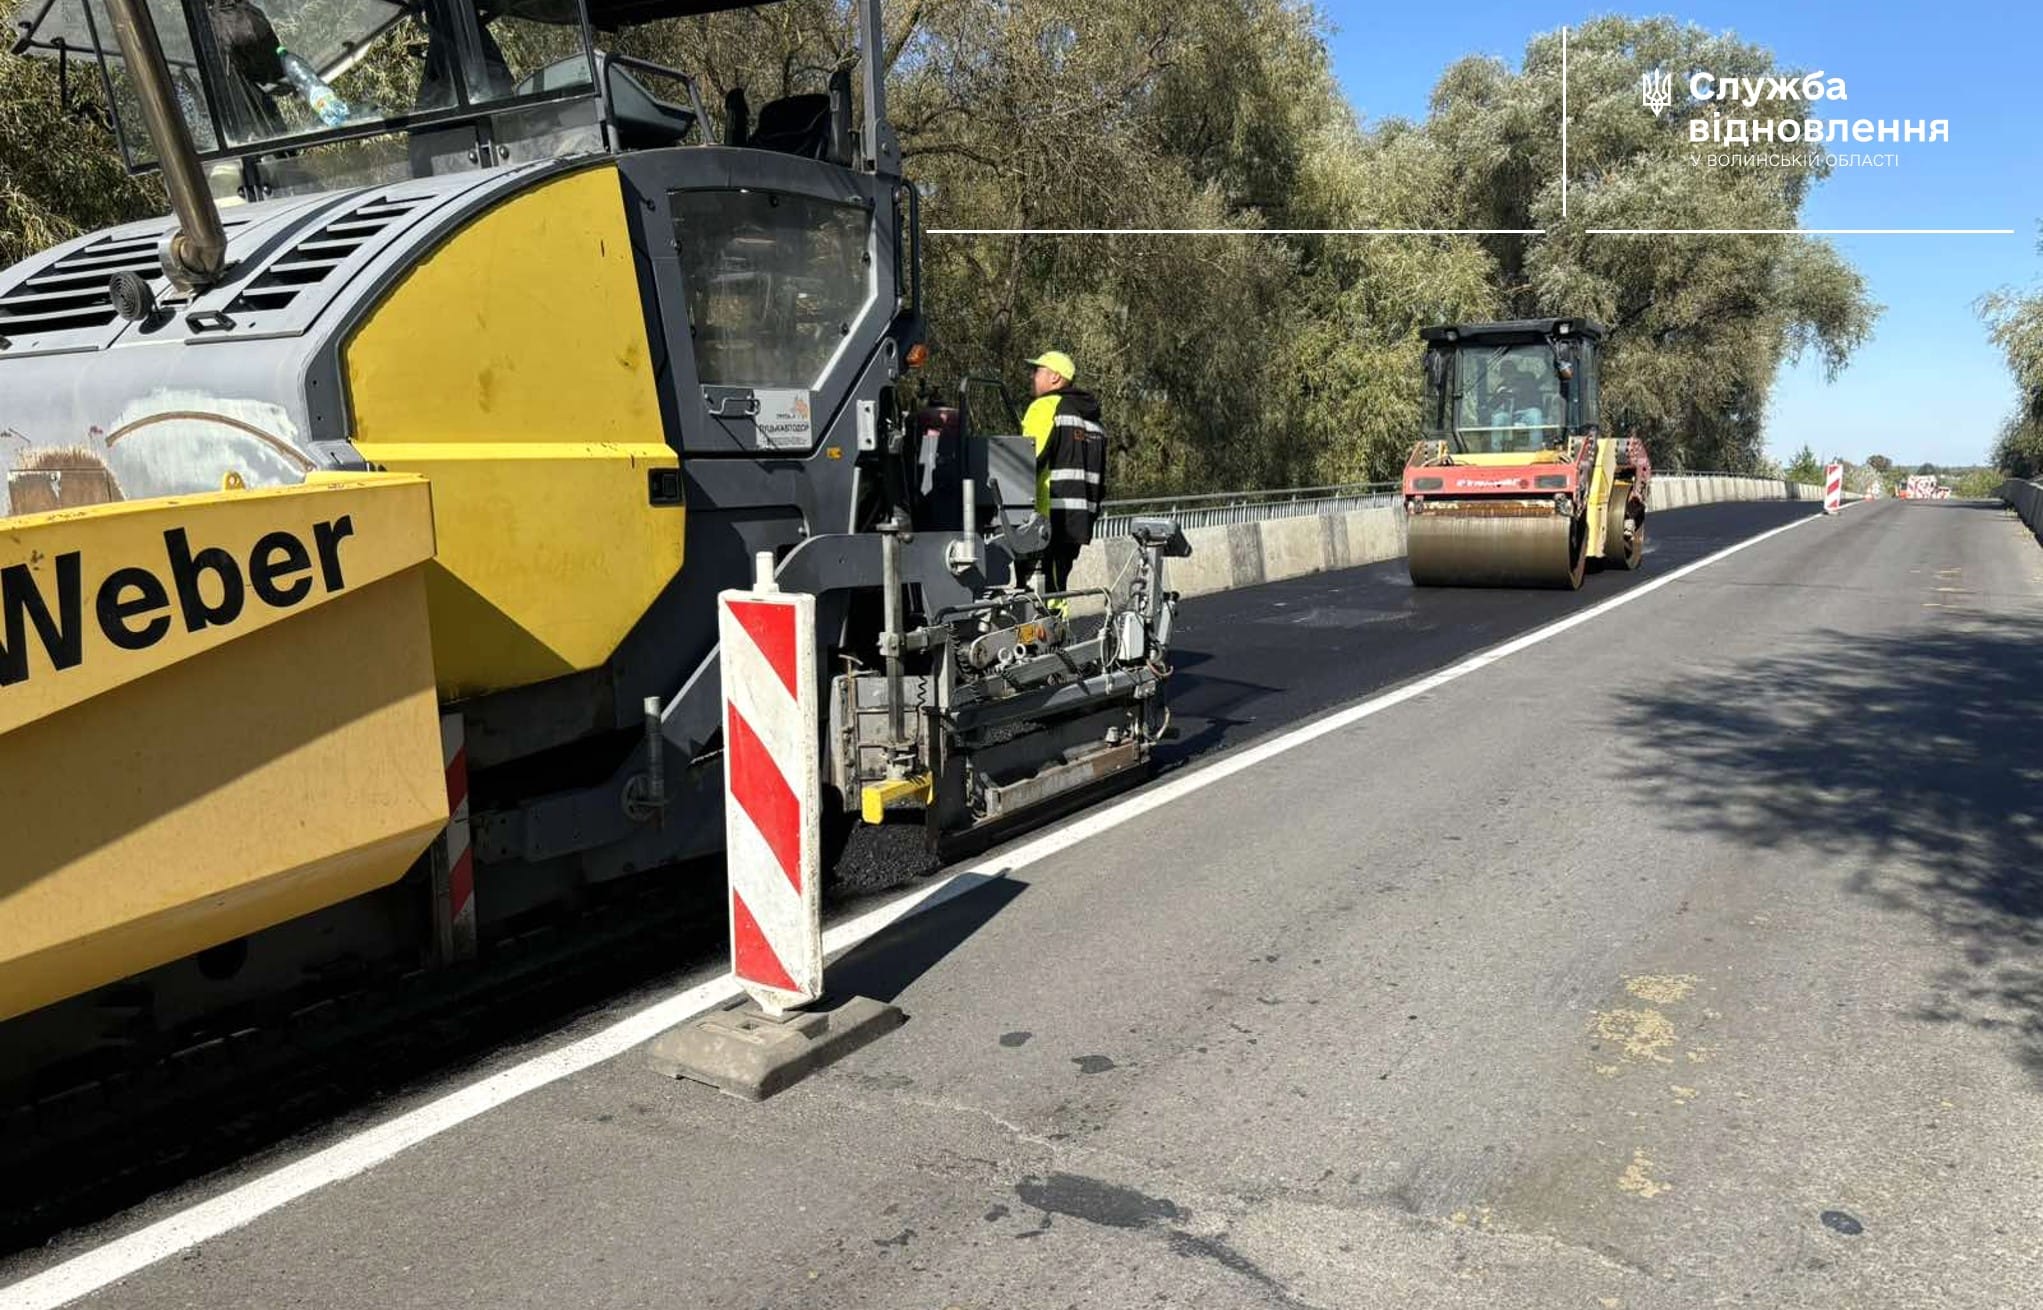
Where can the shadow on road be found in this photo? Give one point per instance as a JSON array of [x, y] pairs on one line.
[[884, 964], [1915, 760]]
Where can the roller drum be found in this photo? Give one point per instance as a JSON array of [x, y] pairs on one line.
[[1617, 552], [1496, 550]]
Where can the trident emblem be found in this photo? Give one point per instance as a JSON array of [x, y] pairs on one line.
[[1658, 91]]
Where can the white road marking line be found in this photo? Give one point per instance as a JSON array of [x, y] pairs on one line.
[[89, 1272]]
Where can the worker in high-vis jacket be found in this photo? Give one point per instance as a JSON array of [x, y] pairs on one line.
[[1071, 461]]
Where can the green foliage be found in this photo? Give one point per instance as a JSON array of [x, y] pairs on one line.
[[1240, 360], [1880, 464], [1804, 467], [1979, 484], [60, 171], [2019, 451], [2015, 323]]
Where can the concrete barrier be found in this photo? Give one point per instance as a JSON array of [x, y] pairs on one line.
[[1244, 554], [2025, 499]]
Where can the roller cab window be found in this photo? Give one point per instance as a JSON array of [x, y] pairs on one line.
[[1508, 400]]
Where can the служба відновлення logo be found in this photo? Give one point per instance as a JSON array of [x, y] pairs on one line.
[[1657, 90]]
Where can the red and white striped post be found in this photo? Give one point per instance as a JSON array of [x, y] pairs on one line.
[[772, 793], [454, 861], [1833, 489], [772, 846]]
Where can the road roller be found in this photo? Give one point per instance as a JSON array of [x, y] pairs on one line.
[[1514, 483], [366, 516]]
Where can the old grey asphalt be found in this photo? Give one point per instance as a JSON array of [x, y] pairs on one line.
[[1693, 957]]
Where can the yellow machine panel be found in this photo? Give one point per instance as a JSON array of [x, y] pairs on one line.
[[114, 592], [1513, 459], [228, 720], [1601, 478], [511, 367]]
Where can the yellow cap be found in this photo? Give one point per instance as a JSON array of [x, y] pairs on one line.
[[1057, 362]]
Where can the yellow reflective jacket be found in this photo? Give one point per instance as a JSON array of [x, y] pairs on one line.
[[1071, 462], [1038, 422]]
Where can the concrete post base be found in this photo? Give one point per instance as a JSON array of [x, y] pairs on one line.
[[749, 1053]]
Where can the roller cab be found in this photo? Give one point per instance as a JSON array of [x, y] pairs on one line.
[[1515, 484]]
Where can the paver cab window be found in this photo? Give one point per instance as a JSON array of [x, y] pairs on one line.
[[774, 283]]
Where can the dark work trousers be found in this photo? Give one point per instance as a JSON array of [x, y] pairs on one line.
[[1056, 564]]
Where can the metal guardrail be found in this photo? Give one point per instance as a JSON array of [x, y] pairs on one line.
[[1222, 508]]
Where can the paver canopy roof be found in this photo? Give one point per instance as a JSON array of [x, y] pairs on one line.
[[43, 25]]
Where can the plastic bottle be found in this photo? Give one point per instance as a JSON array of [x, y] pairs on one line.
[[332, 110]]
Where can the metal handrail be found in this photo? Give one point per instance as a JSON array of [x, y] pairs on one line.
[[1209, 509], [1292, 493], [1225, 508]]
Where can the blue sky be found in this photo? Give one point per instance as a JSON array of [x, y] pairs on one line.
[[1928, 386]]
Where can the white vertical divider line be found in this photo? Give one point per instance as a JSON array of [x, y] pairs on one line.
[[1564, 121]]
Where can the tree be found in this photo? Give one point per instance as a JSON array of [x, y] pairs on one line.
[[60, 172], [2019, 450], [1879, 464], [1804, 468], [1978, 484], [2015, 324], [1926, 468]]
